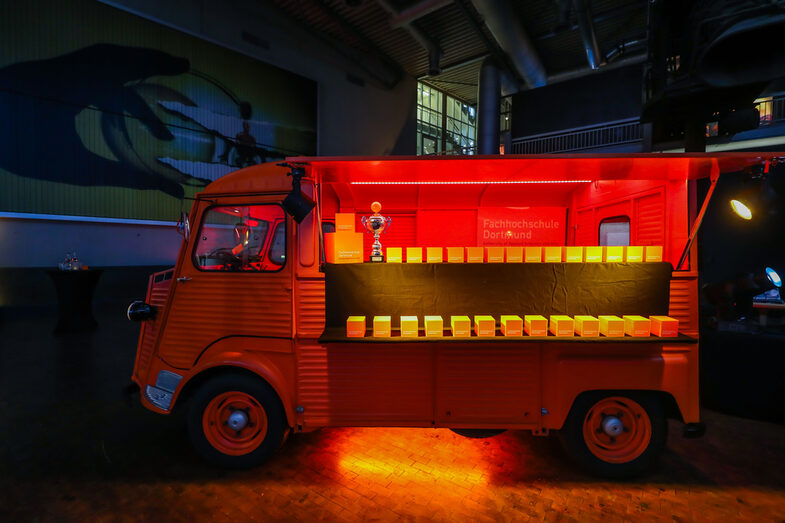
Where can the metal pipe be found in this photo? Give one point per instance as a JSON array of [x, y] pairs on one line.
[[504, 24], [714, 176], [488, 107], [588, 36]]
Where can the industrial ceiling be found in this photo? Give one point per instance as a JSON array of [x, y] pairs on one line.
[[443, 42]]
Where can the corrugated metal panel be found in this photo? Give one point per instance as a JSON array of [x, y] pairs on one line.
[[312, 386], [157, 293], [213, 305], [684, 302], [342, 384], [310, 307], [649, 220], [488, 385]]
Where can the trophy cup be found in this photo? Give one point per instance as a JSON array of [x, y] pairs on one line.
[[376, 225]]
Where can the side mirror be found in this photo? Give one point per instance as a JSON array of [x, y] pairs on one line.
[[184, 226]]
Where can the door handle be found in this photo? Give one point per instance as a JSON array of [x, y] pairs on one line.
[[183, 279]]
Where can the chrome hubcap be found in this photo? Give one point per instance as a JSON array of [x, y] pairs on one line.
[[238, 420], [612, 426]]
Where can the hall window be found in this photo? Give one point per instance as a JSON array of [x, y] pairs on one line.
[[445, 125]]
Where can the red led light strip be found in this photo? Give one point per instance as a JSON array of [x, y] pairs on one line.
[[506, 182]]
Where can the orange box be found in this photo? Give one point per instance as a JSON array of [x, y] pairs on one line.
[[614, 253], [494, 254], [413, 254], [587, 326], [475, 254], [434, 327], [484, 326], [611, 326], [410, 327], [381, 326], [592, 254], [637, 326], [551, 254], [394, 254], [355, 326], [343, 247], [434, 254], [512, 325], [455, 255], [513, 254], [652, 253], [664, 326], [532, 254], [461, 326], [561, 325], [572, 254], [633, 254], [344, 222], [535, 325]]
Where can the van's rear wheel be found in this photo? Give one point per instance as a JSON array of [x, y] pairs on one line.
[[236, 421], [616, 435]]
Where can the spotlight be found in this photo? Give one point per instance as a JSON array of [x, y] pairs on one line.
[[773, 277], [741, 210], [297, 204]]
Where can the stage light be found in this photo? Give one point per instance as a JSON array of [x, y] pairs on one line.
[[773, 277], [741, 210]]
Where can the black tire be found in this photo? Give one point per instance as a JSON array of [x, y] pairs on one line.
[[255, 389], [574, 442]]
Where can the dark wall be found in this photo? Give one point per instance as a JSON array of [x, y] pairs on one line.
[[593, 99]]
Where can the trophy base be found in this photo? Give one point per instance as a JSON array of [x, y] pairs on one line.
[[376, 258]]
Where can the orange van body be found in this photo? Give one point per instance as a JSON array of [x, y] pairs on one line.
[[269, 323]]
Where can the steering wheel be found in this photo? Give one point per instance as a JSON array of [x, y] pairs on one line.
[[227, 258]]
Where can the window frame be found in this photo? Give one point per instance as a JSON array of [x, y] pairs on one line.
[[270, 233]]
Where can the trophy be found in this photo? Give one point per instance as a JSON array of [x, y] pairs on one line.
[[376, 225]]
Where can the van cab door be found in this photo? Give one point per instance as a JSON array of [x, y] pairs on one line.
[[234, 278]]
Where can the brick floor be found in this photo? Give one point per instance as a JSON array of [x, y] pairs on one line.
[[72, 450]]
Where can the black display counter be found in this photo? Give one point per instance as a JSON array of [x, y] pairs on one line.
[[75, 299], [494, 289]]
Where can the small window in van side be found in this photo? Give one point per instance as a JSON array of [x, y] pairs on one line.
[[615, 231], [244, 238]]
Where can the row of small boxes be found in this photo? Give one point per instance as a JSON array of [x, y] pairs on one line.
[[578, 254], [512, 325]]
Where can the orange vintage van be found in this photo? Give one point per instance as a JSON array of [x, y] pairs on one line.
[[250, 324]]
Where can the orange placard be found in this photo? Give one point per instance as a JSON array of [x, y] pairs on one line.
[[461, 326], [512, 325], [484, 326], [535, 325], [355, 326]]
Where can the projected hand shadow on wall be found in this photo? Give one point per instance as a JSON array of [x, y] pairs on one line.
[[103, 116]]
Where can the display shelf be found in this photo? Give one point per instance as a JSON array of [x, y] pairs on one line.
[[338, 335]]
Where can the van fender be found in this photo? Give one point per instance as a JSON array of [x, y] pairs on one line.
[[272, 359], [674, 371]]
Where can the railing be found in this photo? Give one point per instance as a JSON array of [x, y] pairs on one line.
[[772, 110], [604, 135]]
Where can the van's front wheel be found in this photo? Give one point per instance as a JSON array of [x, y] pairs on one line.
[[236, 421], [616, 435]]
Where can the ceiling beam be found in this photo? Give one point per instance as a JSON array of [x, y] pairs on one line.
[[374, 61], [431, 47], [417, 11]]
